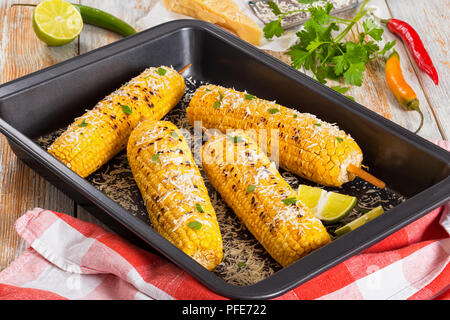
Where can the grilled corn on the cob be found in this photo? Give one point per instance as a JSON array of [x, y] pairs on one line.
[[308, 147], [252, 186], [98, 135], [173, 190]]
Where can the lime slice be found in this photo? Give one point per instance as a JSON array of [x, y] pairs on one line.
[[372, 214], [330, 207], [57, 22]]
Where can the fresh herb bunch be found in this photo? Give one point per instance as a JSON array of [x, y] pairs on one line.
[[322, 48]]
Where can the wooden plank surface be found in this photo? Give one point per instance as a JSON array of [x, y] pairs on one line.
[[21, 53], [21, 189], [431, 20]]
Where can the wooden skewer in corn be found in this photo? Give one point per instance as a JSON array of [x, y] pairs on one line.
[[366, 176]]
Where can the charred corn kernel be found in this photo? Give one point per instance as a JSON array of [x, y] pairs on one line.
[[98, 135], [173, 190], [252, 186], [308, 147]]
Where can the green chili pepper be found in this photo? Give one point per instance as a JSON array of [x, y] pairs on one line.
[[104, 20]]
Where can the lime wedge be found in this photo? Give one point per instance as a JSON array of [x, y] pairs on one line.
[[57, 22], [372, 214], [330, 207], [310, 196], [337, 207]]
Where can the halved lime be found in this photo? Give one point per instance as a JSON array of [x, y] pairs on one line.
[[328, 206], [57, 22], [372, 214]]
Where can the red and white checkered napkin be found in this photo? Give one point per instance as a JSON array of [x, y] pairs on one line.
[[72, 259]]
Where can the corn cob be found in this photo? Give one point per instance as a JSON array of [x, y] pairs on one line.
[[252, 186], [173, 190], [308, 147], [98, 135]]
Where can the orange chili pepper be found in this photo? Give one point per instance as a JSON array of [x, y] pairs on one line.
[[400, 88]]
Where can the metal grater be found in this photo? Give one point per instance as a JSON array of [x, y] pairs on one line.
[[264, 13]]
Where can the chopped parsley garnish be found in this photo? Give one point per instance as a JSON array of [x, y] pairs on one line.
[[155, 158], [126, 109], [199, 208], [318, 124], [295, 116], [174, 134], [339, 139], [194, 225], [249, 96], [273, 110], [83, 124], [251, 188], [216, 104], [235, 139], [240, 265], [161, 71], [207, 89], [307, 1], [289, 201]]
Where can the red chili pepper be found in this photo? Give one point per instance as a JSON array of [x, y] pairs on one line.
[[415, 45]]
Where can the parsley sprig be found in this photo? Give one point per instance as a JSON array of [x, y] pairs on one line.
[[321, 47]]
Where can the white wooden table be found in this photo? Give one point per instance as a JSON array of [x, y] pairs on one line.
[[21, 53]]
